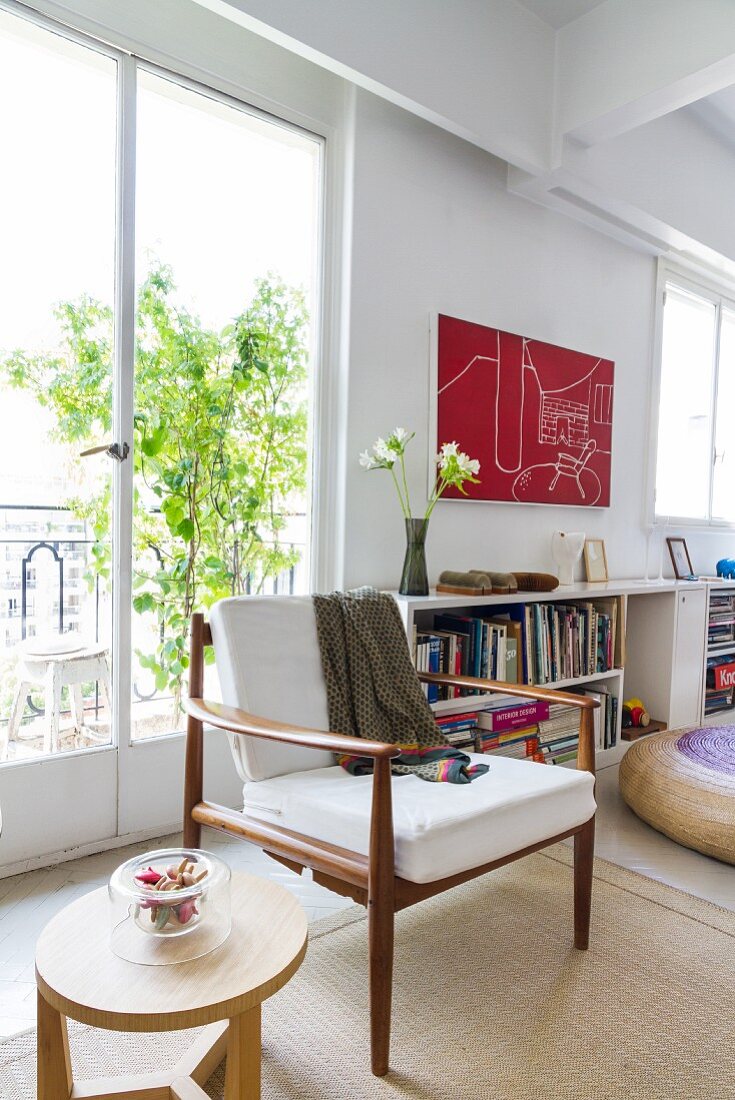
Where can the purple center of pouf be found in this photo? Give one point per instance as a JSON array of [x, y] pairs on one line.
[[712, 747]]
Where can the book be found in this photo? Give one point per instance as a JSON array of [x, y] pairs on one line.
[[471, 629], [598, 714], [513, 717], [520, 750], [512, 672], [434, 664], [474, 704]]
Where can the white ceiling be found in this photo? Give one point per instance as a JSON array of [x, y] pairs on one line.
[[557, 13], [724, 102], [717, 111]]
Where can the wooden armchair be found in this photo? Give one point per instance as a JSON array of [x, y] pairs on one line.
[[384, 841]]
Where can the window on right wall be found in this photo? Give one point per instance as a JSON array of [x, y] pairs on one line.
[[695, 466]]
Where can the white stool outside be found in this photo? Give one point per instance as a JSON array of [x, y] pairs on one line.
[[57, 663]]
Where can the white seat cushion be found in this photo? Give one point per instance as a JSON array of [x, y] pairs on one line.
[[440, 829]]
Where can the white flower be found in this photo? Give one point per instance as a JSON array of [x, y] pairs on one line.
[[385, 455], [467, 465], [382, 450], [456, 467], [448, 450]]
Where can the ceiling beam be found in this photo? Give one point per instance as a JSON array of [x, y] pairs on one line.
[[628, 62], [484, 71]]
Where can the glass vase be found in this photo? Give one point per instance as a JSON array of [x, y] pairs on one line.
[[414, 578]]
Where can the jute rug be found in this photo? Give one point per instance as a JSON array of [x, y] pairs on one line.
[[491, 1001]]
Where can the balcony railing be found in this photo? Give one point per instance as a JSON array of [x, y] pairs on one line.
[[58, 605]]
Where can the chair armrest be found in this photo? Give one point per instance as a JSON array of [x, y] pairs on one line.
[[238, 721], [523, 691]]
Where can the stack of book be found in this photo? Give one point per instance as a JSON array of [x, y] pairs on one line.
[[468, 646], [531, 643], [605, 716], [718, 697], [460, 730], [568, 641], [502, 725], [721, 625], [513, 729], [558, 735]]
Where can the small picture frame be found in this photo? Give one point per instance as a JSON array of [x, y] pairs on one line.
[[595, 560], [680, 559]]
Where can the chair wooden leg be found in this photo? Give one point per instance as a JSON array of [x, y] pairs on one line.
[[194, 760], [584, 853], [380, 943], [193, 782]]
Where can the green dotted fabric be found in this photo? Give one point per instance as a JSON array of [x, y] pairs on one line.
[[373, 690]]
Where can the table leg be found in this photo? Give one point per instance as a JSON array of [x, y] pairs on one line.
[[53, 708], [52, 1059], [77, 706], [16, 716], [242, 1074]]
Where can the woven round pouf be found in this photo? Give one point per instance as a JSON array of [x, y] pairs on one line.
[[682, 782]]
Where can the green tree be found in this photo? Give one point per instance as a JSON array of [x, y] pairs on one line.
[[220, 445]]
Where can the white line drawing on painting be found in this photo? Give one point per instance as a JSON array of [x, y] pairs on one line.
[[564, 422], [517, 442]]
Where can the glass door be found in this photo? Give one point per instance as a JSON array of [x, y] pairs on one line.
[[157, 295], [58, 130], [226, 255]]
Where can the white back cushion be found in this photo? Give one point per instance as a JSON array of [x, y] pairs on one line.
[[268, 663]]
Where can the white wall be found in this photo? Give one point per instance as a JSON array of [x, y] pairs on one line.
[[435, 230]]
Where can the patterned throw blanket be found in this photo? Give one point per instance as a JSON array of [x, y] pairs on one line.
[[373, 690]]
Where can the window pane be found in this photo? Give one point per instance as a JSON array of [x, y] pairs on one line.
[[57, 225], [685, 412], [723, 489], [226, 217]]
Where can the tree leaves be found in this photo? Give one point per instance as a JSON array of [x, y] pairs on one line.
[[186, 530], [220, 448]]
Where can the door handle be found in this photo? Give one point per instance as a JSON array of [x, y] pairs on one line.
[[113, 450]]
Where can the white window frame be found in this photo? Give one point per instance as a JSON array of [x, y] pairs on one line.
[[719, 294]]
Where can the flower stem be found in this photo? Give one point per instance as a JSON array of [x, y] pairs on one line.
[[405, 486], [440, 486], [404, 508]]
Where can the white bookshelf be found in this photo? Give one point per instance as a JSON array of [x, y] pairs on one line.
[[665, 635], [418, 612]]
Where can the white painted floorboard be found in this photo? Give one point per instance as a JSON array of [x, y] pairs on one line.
[[28, 901]]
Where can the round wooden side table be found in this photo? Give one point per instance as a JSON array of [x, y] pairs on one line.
[[79, 976]]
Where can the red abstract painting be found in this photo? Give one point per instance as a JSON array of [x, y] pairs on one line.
[[538, 417]]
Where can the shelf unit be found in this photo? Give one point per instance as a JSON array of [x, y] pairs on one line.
[[418, 612], [666, 643], [719, 622]]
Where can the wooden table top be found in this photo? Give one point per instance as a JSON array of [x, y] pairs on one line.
[[78, 973]]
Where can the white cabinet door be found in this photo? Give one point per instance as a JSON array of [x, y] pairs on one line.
[[686, 680]]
